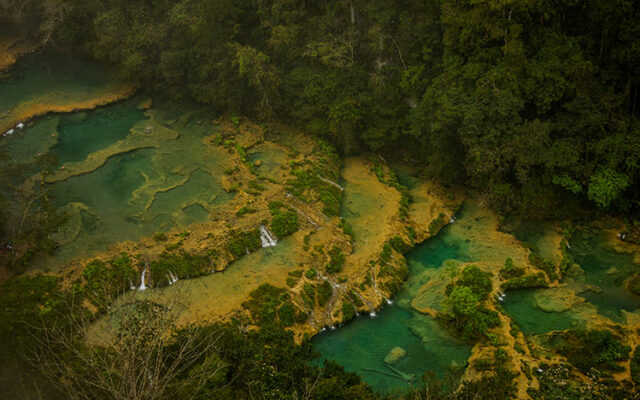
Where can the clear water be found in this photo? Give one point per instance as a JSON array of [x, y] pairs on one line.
[[531, 319], [595, 257], [40, 73], [134, 193], [80, 134], [589, 249], [361, 345]]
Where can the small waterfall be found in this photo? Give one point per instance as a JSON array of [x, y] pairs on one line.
[[172, 278], [142, 285], [372, 311], [266, 238], [330, 182]]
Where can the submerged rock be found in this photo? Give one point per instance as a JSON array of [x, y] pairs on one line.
[[395, 355]]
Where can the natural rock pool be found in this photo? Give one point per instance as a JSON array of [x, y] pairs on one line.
[[137, 168]]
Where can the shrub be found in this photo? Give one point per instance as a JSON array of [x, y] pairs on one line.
[[285, 223], [528, 281], [598, 349], [510, 271], [244, 242], [477, 280], [245, 210], [323, 293], [337, 260], [160, 237], [399, 245]]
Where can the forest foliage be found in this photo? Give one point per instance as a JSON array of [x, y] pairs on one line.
[[535, 102]]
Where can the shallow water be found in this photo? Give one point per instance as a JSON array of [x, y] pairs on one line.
[[361, 345], [48, 72], [606, 269], [220, 293], [80, 134], [151, 187], [531, 319]]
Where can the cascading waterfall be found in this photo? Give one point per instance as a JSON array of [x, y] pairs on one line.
[[372, 311], [172, 278], [142, 285], [334, 288], [375, 289], [330, 182], [266, 238]]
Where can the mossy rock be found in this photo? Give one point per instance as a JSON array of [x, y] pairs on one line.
[[395, 355]]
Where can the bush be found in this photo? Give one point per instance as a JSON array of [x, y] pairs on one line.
[[635, 366], [244, 242], [323, 293], [245, 210], [348, 311], [106, 281], [181, 265], [337, 260], [477, 280], [528, 281], [399, 245], [547, 266], [160, 237], [598, 349], [285, 223], [633, 285], [269, 305], [510, 271]]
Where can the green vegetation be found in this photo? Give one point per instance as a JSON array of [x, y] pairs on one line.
[[269, 305], [527, 281], [635, 366], [547, 266], [633, 285], [160, 237], [464, 313], [180, 265], [510, 271], [105, 281], [242, 243], [285, 222], [244, 211], [437, 224], [336, 261], [323, 293], [526, 98], [597, 349], [308, 180]]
